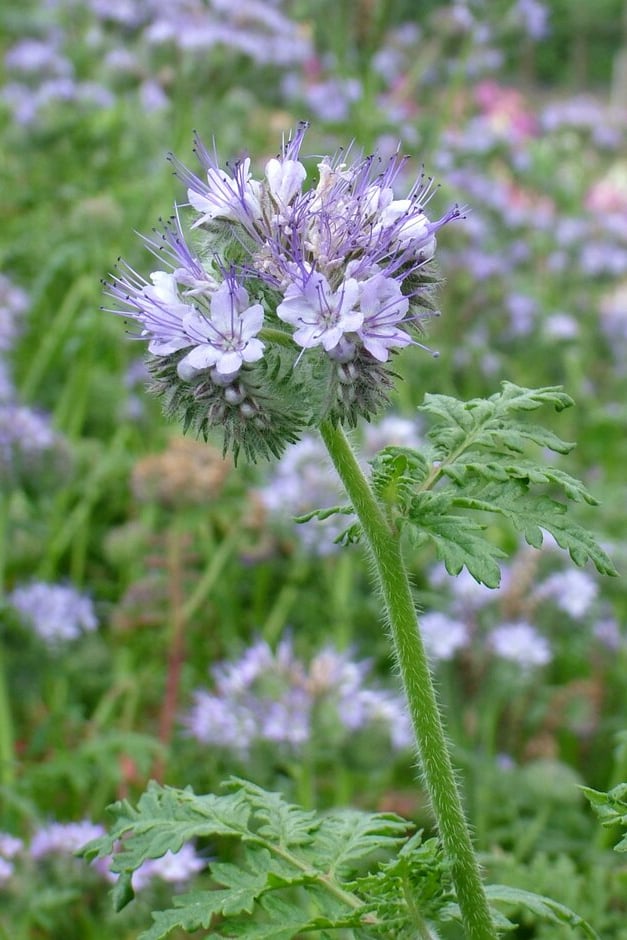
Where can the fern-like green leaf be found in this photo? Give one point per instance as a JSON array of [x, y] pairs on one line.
[[530, 513], [347, 838], [282, 823], [166, 819], [195, 910], [478, 462], [418, 872], [611, 808], [501, 469], [543, 908], [294, 864], [459, 540]]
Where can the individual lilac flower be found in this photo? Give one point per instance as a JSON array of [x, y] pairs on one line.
[[573, 591], [227, 337], [173, 867], [442, 635], [408, 224], [231, 197], [63, 838], [163, 313], [188, 309], [520, 643], [320, 315], [7, 870], [56, 612], [285, 180], [383, 306]]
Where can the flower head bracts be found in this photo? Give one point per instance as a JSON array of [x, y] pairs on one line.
[[284, 294]]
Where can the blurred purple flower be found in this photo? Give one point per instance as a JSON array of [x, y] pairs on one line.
[[273, 697], [560, 326], [26, 436], [14, 303], [532, 16], [56, 612], [523, 311], [301, 481], [443, 635], [520, 643], [173, 867], [10, 845], [63, 838], [152, 96], [392, 430], [573, 591], [37, 56], [608, 632], [328, 100]]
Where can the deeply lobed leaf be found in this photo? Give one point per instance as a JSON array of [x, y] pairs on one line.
[[611, 808]]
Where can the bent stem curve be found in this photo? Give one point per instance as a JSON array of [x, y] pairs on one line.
[[435, 761]]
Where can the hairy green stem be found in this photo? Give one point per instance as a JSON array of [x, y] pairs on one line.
[[433, 752]]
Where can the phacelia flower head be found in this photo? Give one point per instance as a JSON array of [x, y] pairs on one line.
[[278, 305]]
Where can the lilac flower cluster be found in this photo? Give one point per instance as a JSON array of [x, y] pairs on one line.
[[292, 295], [57, 840], [63, 838], [274, 698], [57, 613]]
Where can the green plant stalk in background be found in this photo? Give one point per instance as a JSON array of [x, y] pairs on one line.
[[433, 752]]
